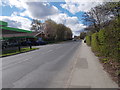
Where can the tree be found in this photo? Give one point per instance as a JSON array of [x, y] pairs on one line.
[[60, 32], [82, 35], [98, 16], [51, 28], [56, 31], [36, 25], [68, 34]]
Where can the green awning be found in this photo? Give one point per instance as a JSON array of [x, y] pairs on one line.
[[15, 29], [2, 23]]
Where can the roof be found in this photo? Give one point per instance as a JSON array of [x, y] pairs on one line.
[[2, 23], [15, 29]]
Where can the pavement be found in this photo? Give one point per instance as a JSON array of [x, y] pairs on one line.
[[64, 65], [88, 72]]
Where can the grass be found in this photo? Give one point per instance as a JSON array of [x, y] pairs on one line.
[[13, 52]]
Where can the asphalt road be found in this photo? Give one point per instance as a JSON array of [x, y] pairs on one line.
[[47, 67]]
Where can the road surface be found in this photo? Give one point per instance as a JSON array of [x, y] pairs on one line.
[[47, 67]]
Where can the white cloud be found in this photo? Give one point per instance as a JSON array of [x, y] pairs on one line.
[[81, 5], [71, 22], [39, 10], [17, 3], [17, 22]]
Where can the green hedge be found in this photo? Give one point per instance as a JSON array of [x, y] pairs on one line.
[[94, 42], [88, 40], [107, 41], [103, 47], [113, 39]]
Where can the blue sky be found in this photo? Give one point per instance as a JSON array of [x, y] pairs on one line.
[[20, 14]]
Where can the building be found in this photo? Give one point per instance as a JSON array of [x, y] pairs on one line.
[[11, 35], [15, 33]]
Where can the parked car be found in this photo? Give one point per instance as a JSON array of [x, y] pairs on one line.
[[13, 44], [4, 44], [34, 43], [26, 43], [41, 42]]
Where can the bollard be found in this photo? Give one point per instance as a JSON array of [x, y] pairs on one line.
[[30, 46], [19, 48]]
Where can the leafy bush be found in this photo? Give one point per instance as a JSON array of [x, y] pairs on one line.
[[107, 40], [88, 40], [94, 42], [113, 39], [103, 47]]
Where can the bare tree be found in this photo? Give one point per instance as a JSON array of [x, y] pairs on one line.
[[36, 25], [100, 14]]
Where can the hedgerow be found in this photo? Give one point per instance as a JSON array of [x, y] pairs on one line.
[[94, 42], [106, 41], [88, 40]]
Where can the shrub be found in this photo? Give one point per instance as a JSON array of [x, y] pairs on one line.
[[107, 41], [88, 40], [113, 39], [103, 47], [95, 42]]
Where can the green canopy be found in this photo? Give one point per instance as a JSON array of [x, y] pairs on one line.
[[15, 29], [2, 23]]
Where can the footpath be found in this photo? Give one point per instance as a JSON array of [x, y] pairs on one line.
[[88, 71]]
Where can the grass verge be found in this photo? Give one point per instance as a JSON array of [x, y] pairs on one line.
[[14, 52]]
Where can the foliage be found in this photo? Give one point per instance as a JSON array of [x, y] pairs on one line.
[[98, 17], [94, 42], [82, 35], [50, 30], [113, 38], [107, 40], [57, 32], [36, 25], [88, 40], [103, 49]]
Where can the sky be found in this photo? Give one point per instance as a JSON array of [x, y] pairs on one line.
[[19, 13]]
